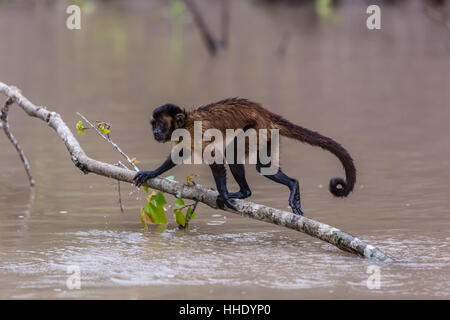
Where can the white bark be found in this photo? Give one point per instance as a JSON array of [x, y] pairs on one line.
[[334, 236]]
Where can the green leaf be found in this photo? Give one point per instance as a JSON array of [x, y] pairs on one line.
[[160, 199], [103, 130], [190, 177], [150, 210], [151, 196], [80, 127], [146, 208], [161, 213], [176, 9], [154, 208], [179, 202], [155, 212], [142, 216], [146, 189], [324, 8], [181, 219]]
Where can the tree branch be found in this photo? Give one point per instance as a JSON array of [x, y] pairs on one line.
[[4, 124], [334, 236]]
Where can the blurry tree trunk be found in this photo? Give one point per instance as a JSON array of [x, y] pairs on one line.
[[212, 44]]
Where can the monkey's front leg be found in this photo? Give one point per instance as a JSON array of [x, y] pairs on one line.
[[142, 176], [220, 176]]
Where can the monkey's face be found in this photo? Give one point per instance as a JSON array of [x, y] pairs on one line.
[[165, 120], [162, 129]]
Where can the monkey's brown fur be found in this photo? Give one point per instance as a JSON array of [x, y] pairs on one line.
[[231, 114]]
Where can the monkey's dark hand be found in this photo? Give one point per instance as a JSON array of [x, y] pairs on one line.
[[142, 176], [222, 201]]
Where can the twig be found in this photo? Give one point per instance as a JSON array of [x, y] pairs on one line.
[[118, 187], [188, 216], [120, 197], [107, 138], [119, 163], [5, 125], [319, 230]]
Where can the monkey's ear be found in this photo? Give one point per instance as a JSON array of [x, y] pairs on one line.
[[180, 119]]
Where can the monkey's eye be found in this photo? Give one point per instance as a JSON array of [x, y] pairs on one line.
[[161, 124]]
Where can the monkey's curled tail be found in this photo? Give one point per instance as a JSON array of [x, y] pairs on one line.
[[313, 138]]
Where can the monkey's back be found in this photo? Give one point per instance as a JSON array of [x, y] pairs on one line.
[[233, 113]]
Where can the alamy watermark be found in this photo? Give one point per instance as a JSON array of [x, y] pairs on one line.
[[73, 22], [374, 20], [73, 282], [208, 147], [374, 280]]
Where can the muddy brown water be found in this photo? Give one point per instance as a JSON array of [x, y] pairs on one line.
[[383, 94]]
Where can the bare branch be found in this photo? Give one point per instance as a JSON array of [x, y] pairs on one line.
[[334, 236], [4, 124]]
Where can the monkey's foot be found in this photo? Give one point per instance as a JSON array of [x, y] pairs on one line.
[[221, 202], [294, 200], [240, 194], [142, 176]]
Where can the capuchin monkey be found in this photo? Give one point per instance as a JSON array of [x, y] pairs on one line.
[[243, 114]]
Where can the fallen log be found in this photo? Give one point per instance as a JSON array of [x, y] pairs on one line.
[[334, 236]]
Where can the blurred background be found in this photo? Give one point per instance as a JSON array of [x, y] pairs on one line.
[[384, 94]]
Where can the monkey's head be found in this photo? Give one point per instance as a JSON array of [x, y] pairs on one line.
[[166, 119]]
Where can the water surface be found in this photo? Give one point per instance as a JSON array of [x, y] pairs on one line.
[[383, 94]]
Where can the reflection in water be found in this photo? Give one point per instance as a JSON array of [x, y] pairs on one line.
[[382, 94]]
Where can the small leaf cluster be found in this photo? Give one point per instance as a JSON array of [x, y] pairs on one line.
[[183, 218], [155, 213], [154, 209], [80, 128], [103, 127]]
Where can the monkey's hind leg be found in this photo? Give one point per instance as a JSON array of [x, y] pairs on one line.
[[220, 176], [291, 183], [238, 171]]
